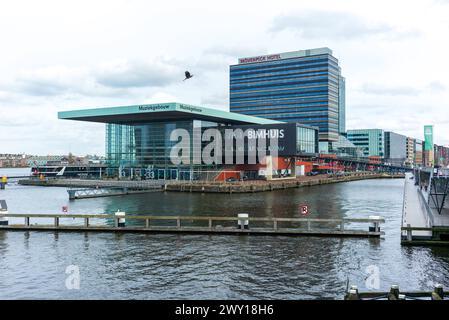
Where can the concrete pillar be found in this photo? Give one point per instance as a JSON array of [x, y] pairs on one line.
[[71, 194], [3, 220], [394, 292], [243, 222], [353, 294], [375, 227], [120, 219], [409, 233]]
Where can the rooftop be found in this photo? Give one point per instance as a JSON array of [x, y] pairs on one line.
[[286, 55], [159, 112]]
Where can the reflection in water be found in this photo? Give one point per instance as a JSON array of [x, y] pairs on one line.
[[165, 266]]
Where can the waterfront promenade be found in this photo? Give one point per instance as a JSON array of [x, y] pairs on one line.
[[414, 214]]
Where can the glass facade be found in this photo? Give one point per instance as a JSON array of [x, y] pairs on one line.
[[395, 148], [306, 140], [371, 141], [148, 145], [344, 148], [303, 89], [342, 105], [143, 149]]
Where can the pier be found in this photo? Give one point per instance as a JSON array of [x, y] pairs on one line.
[[425, 218], [395, 294], [87, 193], [347, 227], [93, 183]]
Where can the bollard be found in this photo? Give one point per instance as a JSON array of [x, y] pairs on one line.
[[120, 219], [394, 292], [352, 295], [243, 222], [438, 293], [376, 225], [3, 210]]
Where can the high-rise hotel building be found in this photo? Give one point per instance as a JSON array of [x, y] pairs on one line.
[[303, 86]]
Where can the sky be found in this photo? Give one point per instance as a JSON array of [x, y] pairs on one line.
[[67, 55]]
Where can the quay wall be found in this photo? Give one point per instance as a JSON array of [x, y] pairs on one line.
[[261, 186], [210, 187]]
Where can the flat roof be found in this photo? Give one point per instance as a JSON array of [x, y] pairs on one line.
[[285, 55], [160, 112]]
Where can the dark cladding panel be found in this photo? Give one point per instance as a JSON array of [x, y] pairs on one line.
[[285, 134]]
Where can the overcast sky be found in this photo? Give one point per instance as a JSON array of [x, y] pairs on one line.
[[64, 55]]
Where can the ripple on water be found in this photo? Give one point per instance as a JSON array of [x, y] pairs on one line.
[[164, 266]]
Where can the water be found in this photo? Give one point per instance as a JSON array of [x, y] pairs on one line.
[[164, 266]]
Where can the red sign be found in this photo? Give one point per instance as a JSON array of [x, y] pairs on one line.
[[304, 209]]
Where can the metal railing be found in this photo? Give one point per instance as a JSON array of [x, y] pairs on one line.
[[148, 219]]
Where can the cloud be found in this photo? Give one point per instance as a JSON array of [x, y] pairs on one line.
[[437, 86], [235, 51], [116, 78], [333, 25], [379, 89], [48, 81], [402, 90], [219, 100], [134, 74], [160, 97]]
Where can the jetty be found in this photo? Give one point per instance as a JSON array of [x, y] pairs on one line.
[[425, 215], [240, 224], [395, 294], [86, 193]]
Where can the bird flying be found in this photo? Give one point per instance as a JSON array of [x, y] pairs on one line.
[[188, 75]]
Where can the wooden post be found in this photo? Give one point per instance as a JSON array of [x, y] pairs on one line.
[[342, 225], [86, 222], [308, 224], [275, 224], [116, 222], [147, 223], [56, 221], [409, 233], [178, 223], [210, 223], [27, 221]]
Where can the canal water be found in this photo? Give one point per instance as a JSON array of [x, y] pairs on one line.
[[162, 266]]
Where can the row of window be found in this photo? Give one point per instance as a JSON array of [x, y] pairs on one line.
[[297, 92], [279, 75], [303, 90], [278, 102], [283, 74], [282, 84], [279, 79]]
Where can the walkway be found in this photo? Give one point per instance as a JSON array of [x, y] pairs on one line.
[[414, 208]]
